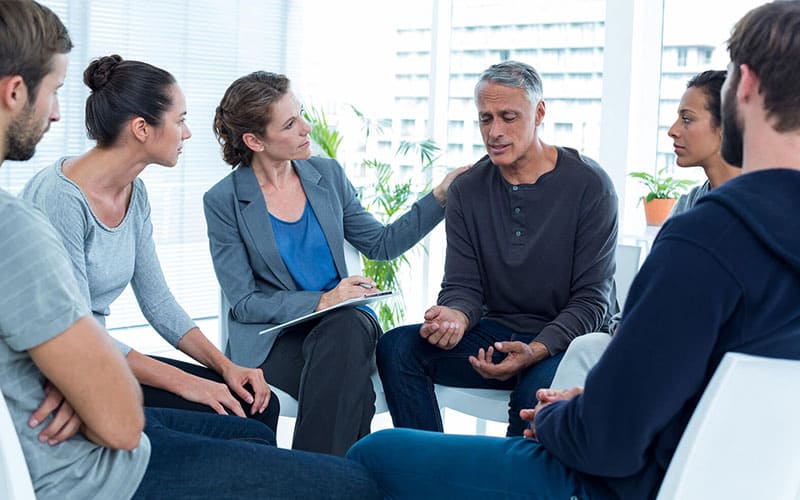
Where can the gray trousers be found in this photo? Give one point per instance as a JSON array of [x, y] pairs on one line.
[[326, 365]]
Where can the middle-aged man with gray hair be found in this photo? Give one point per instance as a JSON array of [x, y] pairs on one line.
[[735, 258], [531, 233]]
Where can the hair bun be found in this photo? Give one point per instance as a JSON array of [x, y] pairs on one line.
[[99, 71]]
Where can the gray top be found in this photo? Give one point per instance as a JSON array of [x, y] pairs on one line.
[[254, 278], [688, 200], [537, 258], [105, 259], [40, 300]]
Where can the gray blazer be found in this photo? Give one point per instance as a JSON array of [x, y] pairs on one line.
[[249, 266]]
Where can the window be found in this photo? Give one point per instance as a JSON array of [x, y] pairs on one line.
[[455, 149], [682, 52]]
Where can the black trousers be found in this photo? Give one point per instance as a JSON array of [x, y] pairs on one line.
[[159, 398], [326, 365]]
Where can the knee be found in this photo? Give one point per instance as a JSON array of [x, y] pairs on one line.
[[587, 348], [254, 431], [396, 345], [370, 450], [348, 328]]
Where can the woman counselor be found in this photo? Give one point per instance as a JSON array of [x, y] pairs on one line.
[[277, 225]]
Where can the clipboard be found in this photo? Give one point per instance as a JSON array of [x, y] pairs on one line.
[[358, 301]]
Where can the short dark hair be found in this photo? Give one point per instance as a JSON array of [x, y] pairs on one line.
[[246, 108], [710, 82], [122, 90], [30, 35], [767, 40]]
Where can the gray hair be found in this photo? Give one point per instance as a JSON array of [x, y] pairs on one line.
[[513, 74]]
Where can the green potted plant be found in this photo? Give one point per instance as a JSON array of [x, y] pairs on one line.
[[663, 191]]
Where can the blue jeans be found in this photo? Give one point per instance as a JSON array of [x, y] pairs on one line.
[[418, 464], [409, 367], [199, 455]]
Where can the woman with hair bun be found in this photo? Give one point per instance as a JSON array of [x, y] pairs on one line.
[[136, 113], [277, 225]]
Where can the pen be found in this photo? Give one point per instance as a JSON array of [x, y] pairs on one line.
[[365, 285]]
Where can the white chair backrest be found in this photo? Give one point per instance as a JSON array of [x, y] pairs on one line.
[[352, 257], [15, 481], [628, 259], [743, 440]]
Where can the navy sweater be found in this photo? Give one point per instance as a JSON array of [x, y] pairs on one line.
[[725, 276]]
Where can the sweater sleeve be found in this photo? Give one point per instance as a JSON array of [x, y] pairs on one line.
[[462, 288], [590, 295], [656, 364], [155, 299]]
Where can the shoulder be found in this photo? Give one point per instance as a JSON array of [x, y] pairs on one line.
[[476, 177], [584, 168], [707, 225], [15, 213], [48, 184], [223, 188], [55, 195], [326, 168], [698, 191], [25, 230], [584, 175]]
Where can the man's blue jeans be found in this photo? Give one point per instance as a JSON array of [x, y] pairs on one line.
[[409, 367], [417, 464], [199, 455]]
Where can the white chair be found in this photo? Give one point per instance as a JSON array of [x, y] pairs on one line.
[[743, 440], [492, 404], [15, 481], [288, 404], [628, 262]]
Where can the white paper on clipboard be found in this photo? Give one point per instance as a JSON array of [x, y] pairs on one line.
[[358, 301]]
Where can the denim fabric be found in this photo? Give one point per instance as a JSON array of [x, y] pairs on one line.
[[199, 455], [409, 367], [418, 464]]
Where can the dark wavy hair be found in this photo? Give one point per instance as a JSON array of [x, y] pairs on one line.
[[246, 108], [122, 90]]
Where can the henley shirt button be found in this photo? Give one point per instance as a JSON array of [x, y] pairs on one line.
[[517, 210], [514, 188], [518, 233]]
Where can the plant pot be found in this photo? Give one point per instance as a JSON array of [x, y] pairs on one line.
[[657, 210]]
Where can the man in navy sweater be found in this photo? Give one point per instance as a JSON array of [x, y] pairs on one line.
[[736, 260]]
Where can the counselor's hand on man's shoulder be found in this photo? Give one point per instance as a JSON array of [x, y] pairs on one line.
[[444, 326]]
